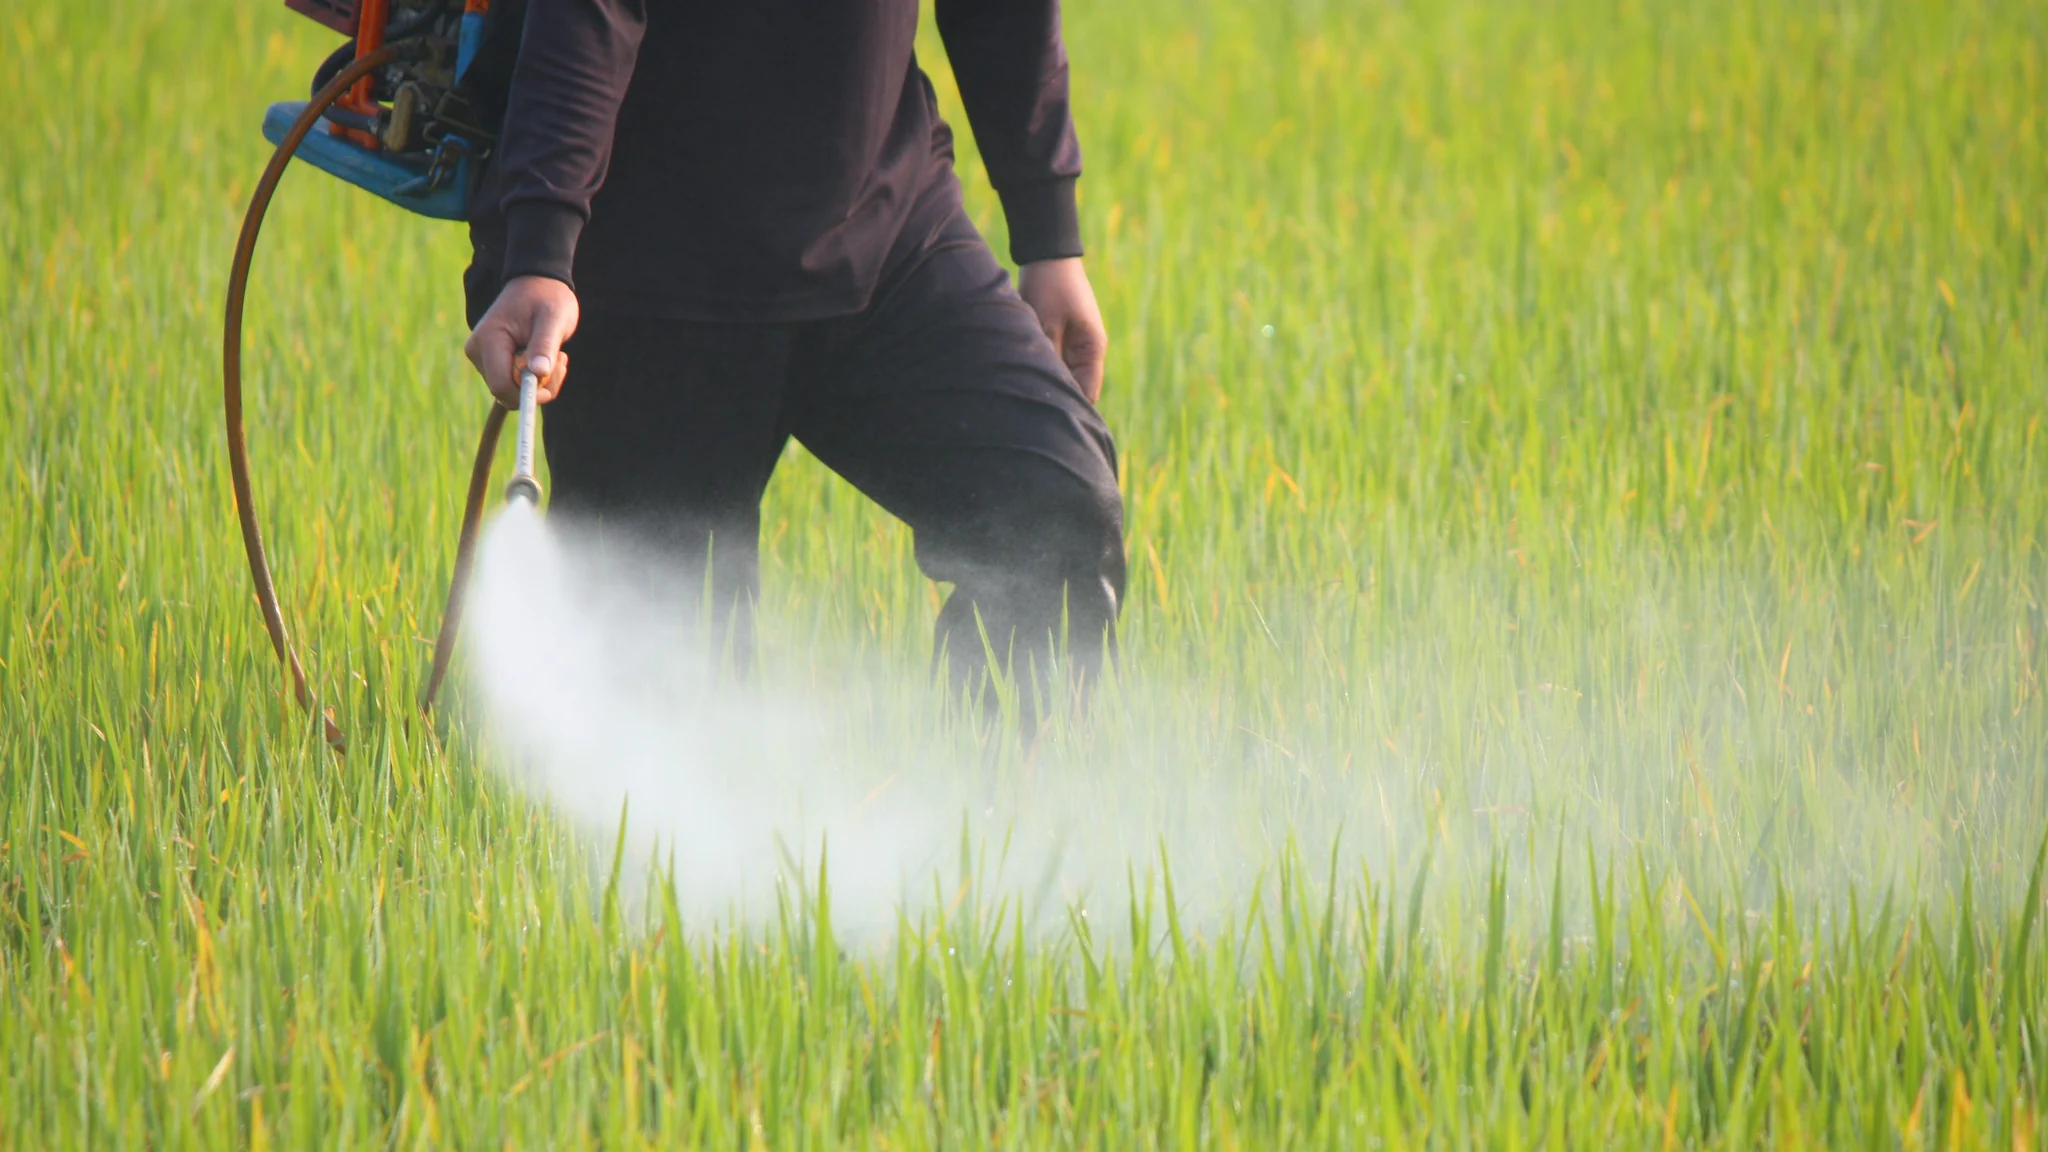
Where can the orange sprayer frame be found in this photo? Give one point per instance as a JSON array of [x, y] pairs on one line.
[[370, 21]]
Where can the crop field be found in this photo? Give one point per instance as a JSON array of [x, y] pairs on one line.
[[1582, 671]]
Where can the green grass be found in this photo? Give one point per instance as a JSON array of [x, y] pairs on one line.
[[1589, 450]]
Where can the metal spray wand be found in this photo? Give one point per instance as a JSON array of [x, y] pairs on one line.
[[523, 486]]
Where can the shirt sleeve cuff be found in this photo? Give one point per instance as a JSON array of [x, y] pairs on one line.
[[540, 240], [1045, 223]]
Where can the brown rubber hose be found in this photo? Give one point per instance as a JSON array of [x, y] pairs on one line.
[[238, 450], [465, 554]]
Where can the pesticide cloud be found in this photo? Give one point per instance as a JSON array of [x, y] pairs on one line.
[[1421, 742]]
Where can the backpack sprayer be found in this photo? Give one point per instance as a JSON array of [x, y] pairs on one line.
[[397, 111]]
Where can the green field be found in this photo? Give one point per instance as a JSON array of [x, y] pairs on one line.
[[1582, 680]]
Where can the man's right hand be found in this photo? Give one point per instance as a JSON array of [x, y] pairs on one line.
[[527, 325]]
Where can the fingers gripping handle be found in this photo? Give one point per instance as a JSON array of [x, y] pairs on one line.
[[523, 485]]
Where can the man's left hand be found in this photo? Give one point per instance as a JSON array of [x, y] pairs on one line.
[[1058, 290]]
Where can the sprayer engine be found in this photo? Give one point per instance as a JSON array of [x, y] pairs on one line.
[[410, 131]]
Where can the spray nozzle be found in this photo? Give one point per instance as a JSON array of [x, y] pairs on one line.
[[523, 486]]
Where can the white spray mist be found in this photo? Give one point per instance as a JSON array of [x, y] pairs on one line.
[[602, 701]]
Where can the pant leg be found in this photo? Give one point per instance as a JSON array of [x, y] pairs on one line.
[[946, 404], [660, 445]]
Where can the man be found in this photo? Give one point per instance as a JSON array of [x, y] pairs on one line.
[[740, 221]]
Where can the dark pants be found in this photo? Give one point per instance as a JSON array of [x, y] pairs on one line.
[[943, 402]]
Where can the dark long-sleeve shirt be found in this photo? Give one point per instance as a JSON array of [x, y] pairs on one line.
[[759, 159]]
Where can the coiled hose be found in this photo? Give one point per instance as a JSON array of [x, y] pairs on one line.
[[238, 449]]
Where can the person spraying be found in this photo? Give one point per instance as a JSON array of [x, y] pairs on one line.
[[741, 223]]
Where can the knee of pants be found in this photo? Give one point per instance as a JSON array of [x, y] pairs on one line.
[[1049, 534]]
